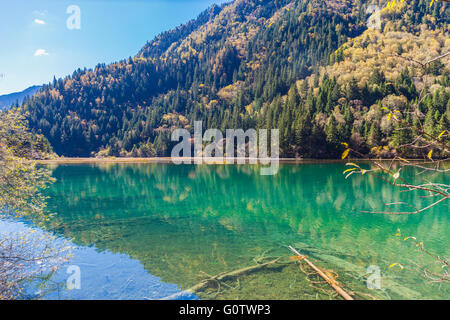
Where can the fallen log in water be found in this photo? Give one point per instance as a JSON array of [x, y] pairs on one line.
[[330, 281], [228, 275], [388, 283], [222, 277]]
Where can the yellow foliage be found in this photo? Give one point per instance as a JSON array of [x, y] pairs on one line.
[[374, 49]]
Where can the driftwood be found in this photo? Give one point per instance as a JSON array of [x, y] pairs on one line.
[[330, 281], [222, 277], [229, 275], [388, 284]]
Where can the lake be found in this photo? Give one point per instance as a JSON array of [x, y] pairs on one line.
[[149, 231]]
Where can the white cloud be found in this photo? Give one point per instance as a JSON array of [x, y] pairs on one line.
[[39, 21], [40, 52]]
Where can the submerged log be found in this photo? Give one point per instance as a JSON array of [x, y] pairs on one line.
[[228, 275], [222, 277], [388, 284], [330, 281]]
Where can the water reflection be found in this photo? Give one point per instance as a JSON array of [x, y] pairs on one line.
[[102, 275], [179, 221]]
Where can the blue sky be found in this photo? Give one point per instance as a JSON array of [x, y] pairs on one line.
[[36, 43]]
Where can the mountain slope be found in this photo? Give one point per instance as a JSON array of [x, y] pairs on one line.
[[239, 65], [8, 100]]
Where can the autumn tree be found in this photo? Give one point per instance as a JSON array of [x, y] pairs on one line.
[[27, 254]]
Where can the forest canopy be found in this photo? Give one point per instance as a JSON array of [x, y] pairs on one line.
[[310, 68]]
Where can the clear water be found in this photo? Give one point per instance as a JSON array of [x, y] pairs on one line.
[[103, 274], [179, 223]]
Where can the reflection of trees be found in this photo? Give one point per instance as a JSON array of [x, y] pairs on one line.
[[178, 220]]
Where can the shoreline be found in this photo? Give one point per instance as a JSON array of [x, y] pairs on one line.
[[213, 161], [169, 160]]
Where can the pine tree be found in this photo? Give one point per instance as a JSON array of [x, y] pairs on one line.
[[374, 136]]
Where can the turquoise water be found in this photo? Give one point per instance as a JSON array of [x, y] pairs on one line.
[[182, 223]]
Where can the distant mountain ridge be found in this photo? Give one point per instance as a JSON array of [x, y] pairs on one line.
[[7, 100]]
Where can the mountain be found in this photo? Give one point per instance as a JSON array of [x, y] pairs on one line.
[[7, 100], [310, 68]]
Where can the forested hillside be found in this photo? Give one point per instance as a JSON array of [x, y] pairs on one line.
[[310, 68], [16, 98]]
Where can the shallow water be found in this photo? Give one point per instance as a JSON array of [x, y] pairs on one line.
[[103, 275], [182, 223]]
